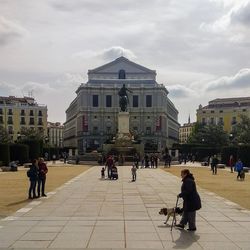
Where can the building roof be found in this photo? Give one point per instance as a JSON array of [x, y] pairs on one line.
[[235, 102]]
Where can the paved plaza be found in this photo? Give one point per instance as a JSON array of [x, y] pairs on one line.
[[87, 212]]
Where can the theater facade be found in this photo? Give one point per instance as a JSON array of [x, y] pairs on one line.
[[92, 117]]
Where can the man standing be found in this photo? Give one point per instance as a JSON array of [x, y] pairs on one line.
[[133, 170], [214, 164], [109, 164], [42, 172]]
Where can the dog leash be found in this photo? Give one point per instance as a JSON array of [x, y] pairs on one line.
[[174, 219]]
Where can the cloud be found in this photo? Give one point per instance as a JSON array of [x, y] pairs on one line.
[[180, 91], [10, 31], [106, 54], [240, 80], [242, 15]]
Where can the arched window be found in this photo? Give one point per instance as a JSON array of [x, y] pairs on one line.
[[122, 74]]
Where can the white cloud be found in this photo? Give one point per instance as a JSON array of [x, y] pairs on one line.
[[240, 80], [180, 91], [10, 30]]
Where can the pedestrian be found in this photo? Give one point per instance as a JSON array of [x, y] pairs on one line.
[[32, 173], [156, 161], [142, 162], [54, 159], [109, 164], [133, 171], [42, 172], [239, 167], [231, 163], [103, 173], [191, 201], [214, 164]]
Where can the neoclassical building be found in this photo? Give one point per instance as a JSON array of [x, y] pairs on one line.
[[91, 118]]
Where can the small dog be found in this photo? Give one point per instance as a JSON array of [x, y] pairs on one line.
[[242, 175], [170, 212]]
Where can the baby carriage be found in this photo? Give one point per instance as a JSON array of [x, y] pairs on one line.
[[114, 173]]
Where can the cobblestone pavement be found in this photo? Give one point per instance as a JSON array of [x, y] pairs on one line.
[[87, 212]]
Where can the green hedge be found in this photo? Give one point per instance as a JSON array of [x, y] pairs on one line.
[[5, 154], [244, 154], [203, 152], [35, 148], [19, 152], [226, 152]]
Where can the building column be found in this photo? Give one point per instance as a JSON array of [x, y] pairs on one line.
[[70, 152]]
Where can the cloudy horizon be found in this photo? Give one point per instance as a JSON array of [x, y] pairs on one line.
[[200, 49]]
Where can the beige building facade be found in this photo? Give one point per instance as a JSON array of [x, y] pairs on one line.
[[224, 111], [55, 134], [185, 131], [17, 114]]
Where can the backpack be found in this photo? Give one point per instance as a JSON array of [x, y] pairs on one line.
[[28, 173]]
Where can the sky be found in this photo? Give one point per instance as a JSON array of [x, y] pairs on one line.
[[200, 49]]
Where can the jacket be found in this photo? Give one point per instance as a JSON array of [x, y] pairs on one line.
[[43, 170], [239, 166], [189, 194], [33, 173]]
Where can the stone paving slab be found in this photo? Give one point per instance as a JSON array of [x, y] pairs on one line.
[[87, 212]]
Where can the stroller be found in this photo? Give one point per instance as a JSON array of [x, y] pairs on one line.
[[114, 173]]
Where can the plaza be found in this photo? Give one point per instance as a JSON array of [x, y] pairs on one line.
[[87, 212]]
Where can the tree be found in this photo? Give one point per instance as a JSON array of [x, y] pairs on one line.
[[241, 131], [4, 136], [31, 134], [209, 135]]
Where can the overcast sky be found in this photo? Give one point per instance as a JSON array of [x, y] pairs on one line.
[[199, 48]]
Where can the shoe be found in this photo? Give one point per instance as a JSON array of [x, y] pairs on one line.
[[179, 226], [44, 195], [191, 229]]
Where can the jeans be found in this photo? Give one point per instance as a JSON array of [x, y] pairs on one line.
[[134, 177], [32, 188], [41, 184], [188, 217]]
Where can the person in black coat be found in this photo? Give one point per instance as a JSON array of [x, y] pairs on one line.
[[33, 176], [191, 200]]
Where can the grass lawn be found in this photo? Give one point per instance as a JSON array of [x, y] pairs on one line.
[[224, 183], [14, 185]]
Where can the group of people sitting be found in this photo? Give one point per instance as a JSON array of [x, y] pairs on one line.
[[37, 176]]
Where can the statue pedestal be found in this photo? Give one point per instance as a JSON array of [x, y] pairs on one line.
[[123, 123]]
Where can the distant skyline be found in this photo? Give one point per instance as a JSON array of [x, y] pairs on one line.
[[200, 49]]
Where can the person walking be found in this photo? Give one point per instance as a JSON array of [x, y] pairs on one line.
[[109, 164], [231, 163], [239, 167], [133, 171], [191, 201], [214, 164], [32, 173], [42, 172]]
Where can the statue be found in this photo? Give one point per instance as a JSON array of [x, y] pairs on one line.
[[124, 101]]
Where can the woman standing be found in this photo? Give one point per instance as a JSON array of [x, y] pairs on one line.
[[33, 176], [42, 171], [191, 201]]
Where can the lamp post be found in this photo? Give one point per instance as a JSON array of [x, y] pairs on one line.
[[47, 154]]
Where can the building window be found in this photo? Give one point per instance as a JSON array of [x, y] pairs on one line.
[[122, 74], [1, 120], [221, 122], [148, 130], [148, 100], [108, 130], [204, 112], [22, 121], [10, 112], [221, 111], [212, 111], [203, 121], [22, 112], [1, 111], [10, 130], [148, 117], [95, 130], [40, 113], [31, 113], [244, 110], [108, 101], [40, 121], [135, 101], [95, 101], [10, 120], [234, 120], [108, 117], [135, 129], [211, 120], [32, 121]]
